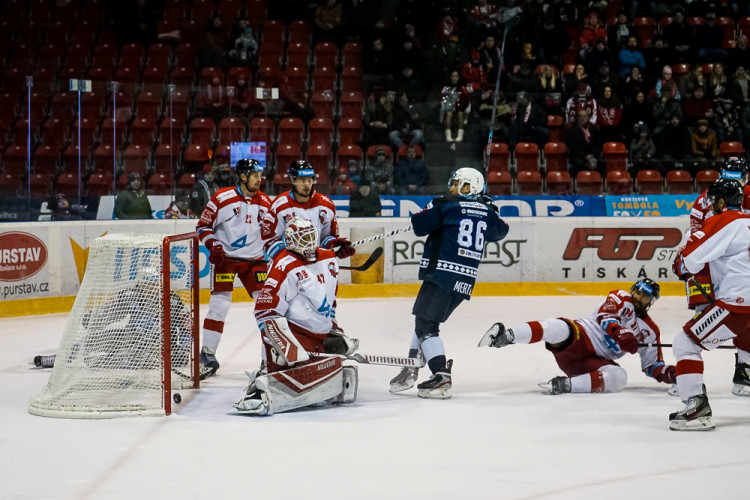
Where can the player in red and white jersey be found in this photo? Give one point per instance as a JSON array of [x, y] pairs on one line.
[[304, 202], [296, 312], [230, 228], [586, 348]]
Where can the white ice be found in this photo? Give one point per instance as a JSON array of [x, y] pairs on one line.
[[499, 437]]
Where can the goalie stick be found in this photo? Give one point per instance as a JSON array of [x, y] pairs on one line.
[[373, 359], [366, 264], [670, 345]]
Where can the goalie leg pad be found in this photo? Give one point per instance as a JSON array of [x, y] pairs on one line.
[[314, 382], [285, 347], [350, 382]]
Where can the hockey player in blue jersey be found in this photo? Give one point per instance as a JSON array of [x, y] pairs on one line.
[[457, 226]]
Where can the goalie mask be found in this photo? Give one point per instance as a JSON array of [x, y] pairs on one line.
[[301, 237], [649, 287], [470, 176]]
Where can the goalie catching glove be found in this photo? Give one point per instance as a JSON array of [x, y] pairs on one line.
[[623, 336], [216, 252], [338, 343], [345, 247]]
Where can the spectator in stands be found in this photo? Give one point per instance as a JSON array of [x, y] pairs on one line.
[[132, 203], [376, 64], [604, 77], [740, 54], [571, 13], [633, 83], [203, 189], [666, 80], [618, 33], [711, 37], [380, 172], [553, 41], [63, 210], [717, 82], [704, 144], [609, 111], [378, 118], [410, 84], [745, 126], [244, 49], [697, 107], [365, 202], [657, 56], [474, 77], [453, 103], [353, 171], [180, 208], [528, 122], [503, 113], [406, 123], [674, 143], [482, 20], [489, 54], [225, 177], [584, 145], [664, 109], [548, 89], [411, 173], [738, 88], [294, 101], [598, 56], [329, 17], [447, 37], [693, 79], [212, 101], [727, 120], [573, 80], [680, 37], [213, 45], [630, 56], [343, 185], [412, 56], [243, 102], [582, 99], [642, 148], [592, 31], [637, 111]]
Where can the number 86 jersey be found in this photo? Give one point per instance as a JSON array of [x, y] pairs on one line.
[[456, 229]]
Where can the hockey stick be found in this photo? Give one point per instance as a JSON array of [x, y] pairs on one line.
[[369, 262], [702, 290], [372, 359], [670, 345], [381, 236]]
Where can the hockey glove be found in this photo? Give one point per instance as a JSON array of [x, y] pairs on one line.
[[216, 252], [664, 373], [488, 200], [623, 336], [678, 268], [345, 247]]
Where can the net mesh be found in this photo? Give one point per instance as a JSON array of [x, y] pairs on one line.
[[110, 361]]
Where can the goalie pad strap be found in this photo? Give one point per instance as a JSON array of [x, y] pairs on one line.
[[286, 346], [314, 382]]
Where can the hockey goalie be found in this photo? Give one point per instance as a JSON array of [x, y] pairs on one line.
[[303, 346]]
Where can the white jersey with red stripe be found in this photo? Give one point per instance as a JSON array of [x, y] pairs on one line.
[[235, 221], [723, 241], [618, 307], [319, 209], [302, 292]]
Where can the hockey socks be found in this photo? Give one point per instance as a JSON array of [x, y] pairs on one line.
[[434, 353]]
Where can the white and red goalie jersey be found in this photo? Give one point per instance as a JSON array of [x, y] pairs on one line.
[[319, 210], [723, 241], [618, 307], [235, 221], [302, 292]]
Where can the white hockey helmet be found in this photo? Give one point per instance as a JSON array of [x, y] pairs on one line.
[[301, 237], [470, 176]]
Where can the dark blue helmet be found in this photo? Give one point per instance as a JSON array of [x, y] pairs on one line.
[[730, 190], [301, 168], [247, 166]]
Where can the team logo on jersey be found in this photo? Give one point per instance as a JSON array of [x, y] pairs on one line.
[[302, 276], [225, 277], [332, 269], [264, 297], [260, 276], [322, 216]]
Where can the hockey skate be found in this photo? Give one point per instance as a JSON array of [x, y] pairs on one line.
[[45, 361], [405, 380], [741, 379], [497, 336], [255, 401], [439, 386], [209, 364], [696, 416], [557, 385]]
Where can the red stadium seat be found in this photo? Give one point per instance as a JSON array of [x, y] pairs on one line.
[[195, 156], [69, 185], [499, 157], [351, 54], [350, 130], [619, 182], [285, 155], [273, 32], [556, 156], [646, 29], [99, 184], [300, 31], [319, 156], [727, 149], [529, 182], [649, 182], [352, 104], [348, 152], [323, 103], [559, 182], [704, 178], [262, 129], [202, 131], [166, 159], [298, 54], [616, 156], [320, 131], [589, 182], [556, 128], [291, 131], [351, 79], [499, 183], [324, 78], [679, 182], [40, 184], [326, 55], [45, 159], [231, 130], [527, 156]]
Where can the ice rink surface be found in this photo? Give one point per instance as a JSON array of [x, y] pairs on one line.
[[499, 437]]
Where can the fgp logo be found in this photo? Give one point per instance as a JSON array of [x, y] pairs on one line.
[[621, 243]]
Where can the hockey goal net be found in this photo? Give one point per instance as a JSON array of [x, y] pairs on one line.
[[132, 335]]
